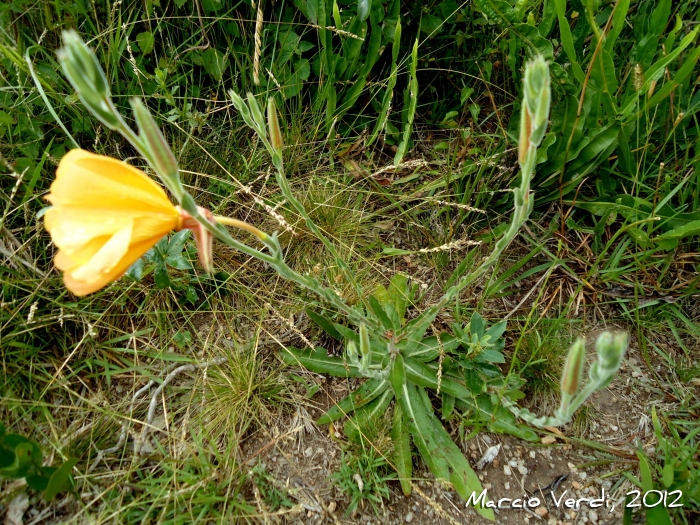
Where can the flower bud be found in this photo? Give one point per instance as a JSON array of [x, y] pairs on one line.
[[535, 108], [611, 348], [364, 340], [273, 125], [573, 368], [85, 74], [156, 149]]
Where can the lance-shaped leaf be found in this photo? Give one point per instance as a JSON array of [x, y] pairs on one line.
[[319, 361], [403, 461], [369, 391]]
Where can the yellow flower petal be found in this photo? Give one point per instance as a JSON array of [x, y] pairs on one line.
[[105, 215], [81, 288], [106, 258]]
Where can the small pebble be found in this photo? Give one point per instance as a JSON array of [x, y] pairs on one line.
[[332, 506], [506, 485], [542, 512], [409, 517], [309, 452], [593, 516], [533, 454], [548, 440], [522, 470], [575, 484], [506, 470]]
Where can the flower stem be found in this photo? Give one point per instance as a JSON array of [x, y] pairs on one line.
[[228, 221]]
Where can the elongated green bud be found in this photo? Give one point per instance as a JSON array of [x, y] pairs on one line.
[[611, 349], [85, 74], [573, 367], [535, 109], [365, 347], [274, 126], [257, 115], [156, 148]]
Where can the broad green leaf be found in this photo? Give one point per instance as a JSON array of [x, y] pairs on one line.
[[60, 480], [477, 325], [160, 275], [687, 230], [499, 10], [497, 331], [401, 439], [312, 10], [428, 348], [659, 17], [440, 446], [380, 313], [397, 376], [214, 62], [146, 41], [369, 391], [603, 76], [325, 324], [430, 24], [421, 429], [492, 356], [618, 22]]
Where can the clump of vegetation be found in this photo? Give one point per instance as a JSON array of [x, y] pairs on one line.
[[395, 155]]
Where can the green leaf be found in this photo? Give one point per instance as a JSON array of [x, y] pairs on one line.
[[380, 313], [420, 427], [60, 480], [369, 391], [177, 242], [680, 232], [497, 331], [214, 62], [7, 458], [428, 348], [473, 381], [400, 292], [668, 474], [312, 10], [430, 24], [403, 461], [160, 275], [397, 376], [448, 405], [498, 10], [146, 41], [38, 481], [438, 450], [476, 325], [135, 271], [492, 356], [325, 324], [320, 362]]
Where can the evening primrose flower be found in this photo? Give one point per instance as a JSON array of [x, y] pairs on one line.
[[106, 214]]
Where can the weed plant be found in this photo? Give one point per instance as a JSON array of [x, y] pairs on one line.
[[71, 366]]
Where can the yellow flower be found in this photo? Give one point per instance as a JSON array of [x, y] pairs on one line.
[[105, 215]]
